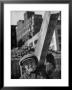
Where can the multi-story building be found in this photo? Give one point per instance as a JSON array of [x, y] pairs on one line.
[[13, 37], [37, 21], [28, 27]]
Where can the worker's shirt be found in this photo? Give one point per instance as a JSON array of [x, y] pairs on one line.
[[49, 67]]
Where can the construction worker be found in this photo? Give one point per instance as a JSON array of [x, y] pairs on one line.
[[50, 65]]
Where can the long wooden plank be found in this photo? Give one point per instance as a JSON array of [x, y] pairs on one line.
[[42, 34], [48, 37]]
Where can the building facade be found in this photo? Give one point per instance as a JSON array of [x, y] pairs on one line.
[[13, 37], [28, 27]]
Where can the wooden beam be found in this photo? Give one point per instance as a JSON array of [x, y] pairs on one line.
[[48, 37]]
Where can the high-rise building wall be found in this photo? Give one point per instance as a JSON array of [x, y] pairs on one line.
[[28, 27], [13, 37], [23, 28], [28, 15], [37, 23]]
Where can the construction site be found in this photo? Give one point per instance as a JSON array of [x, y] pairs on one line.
[[36, 46]]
